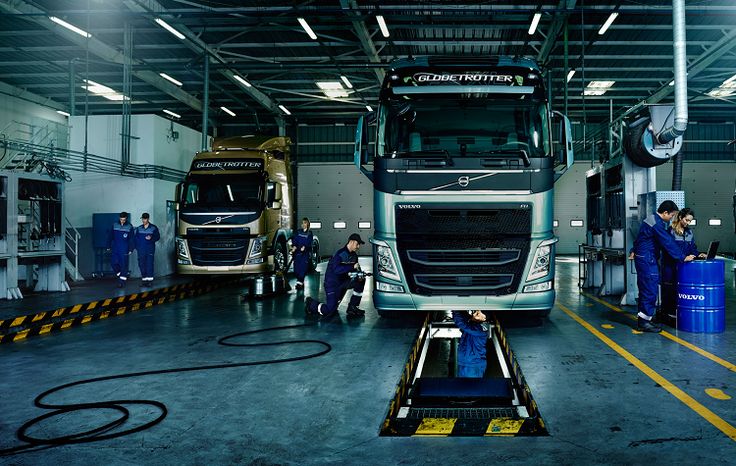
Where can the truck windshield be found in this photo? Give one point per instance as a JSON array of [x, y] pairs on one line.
[[242, 191], [462, 126]]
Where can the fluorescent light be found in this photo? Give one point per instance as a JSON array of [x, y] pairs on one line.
[[332, 88], [307, 29], [334, 94], [607, 24], [228, 111], [718, 92], [382, 25], [570, 74], [328, 85], [242, 80], [284, 109], [672, 83], [169, 78], [598, 87], [169, 28], [535, 23], [347, 82], [71, 27], [61, 112], [169, 112], [102, 91], [369, 108]]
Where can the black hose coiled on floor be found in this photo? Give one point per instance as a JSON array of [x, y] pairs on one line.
[[104, 432]]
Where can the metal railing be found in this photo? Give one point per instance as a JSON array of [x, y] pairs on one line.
[[71, 240]]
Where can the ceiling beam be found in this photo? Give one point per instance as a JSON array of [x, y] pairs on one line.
[[554, 30], [100, 49], [198, 45], [361, 31]]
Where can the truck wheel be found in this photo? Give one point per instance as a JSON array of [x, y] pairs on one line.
[[279, 257], [314, 256]]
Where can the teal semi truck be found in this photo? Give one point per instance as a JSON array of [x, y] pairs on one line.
[[465, 155]]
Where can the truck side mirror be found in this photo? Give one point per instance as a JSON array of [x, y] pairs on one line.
[[362, 145], [562, 143], [274, 194]]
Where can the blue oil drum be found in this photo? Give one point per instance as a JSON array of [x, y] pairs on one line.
[[701, 297]]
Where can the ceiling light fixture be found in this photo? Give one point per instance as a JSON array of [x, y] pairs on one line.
[[284, 109], [62, 112], [535, 23], [570, 74], [382, 25], [369, 108], [228, 111], [102, 91], [598, 87], [169, 112], [169, 28], [347, 82], [242, 81], [307, 29], [169, 78], [71, 27], [607, 24]]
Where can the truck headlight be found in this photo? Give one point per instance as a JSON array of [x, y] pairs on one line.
[[386, 265], [181, 248], [542, 258], [257, 248]]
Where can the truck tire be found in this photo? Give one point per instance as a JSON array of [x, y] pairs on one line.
[[314, 256], [280, 259]]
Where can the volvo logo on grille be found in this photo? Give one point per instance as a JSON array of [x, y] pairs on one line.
[[218, 219], [463, 181]]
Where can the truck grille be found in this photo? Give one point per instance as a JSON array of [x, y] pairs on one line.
[[474, 252], [218, 251]]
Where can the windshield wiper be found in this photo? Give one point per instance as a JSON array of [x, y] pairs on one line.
[[444, 153], [520, 152]]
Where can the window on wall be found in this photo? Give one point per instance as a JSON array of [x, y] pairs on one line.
[[693, 223], [339, 225], [364, 225], [315, 225], [576, 223], [555, 223], [714, 222]]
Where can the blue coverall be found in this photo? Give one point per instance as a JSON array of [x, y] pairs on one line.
[[338, 282], [146, 249], [301, 258], [652, 239], [471, 352], [120, 241], [686, 244]]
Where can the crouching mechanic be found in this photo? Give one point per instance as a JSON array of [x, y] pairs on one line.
[[338, 281], [121, 244]]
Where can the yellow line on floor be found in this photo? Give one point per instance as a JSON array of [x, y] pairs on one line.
[[678, 393], [728, 365]]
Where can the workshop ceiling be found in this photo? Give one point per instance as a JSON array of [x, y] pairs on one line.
[[264, 43]]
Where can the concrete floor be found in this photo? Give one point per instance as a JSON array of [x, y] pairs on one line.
[[600, 408]]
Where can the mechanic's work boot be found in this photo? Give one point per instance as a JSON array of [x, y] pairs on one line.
[[647, 326], [308, 307], [355, 311]]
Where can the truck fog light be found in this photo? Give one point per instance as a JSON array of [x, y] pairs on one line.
[[389, 288], [544, 286], [183, 262], [255, 261]]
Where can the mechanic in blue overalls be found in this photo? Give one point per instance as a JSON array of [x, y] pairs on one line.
[[471, 351], [685, 240], [653, 237], [338, 281], [301, 250], [146, 236], [120, 242]]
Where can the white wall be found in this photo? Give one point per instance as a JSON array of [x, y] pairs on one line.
[[90, 193], [14, 108]]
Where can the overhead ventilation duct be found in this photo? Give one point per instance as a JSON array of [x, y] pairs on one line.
[[652, 140]]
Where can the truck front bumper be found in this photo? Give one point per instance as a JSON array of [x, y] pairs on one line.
[[543, 300]]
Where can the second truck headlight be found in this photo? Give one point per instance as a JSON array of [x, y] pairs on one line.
[[541, 263], [386, 266], [181, 248], [258, 243]]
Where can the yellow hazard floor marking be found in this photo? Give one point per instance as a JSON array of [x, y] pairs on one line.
[[86, 319], [106, 302], [436, 426], [17, 321], [21, 335], [67, 323], [76, 308], [607, 326], [504, 426], [678, 393], [45, 329], [39, 316], [728, 365], [92, 305], [717, 393]]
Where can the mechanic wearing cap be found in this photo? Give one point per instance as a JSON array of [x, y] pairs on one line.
[[338, 281], [146, 236], [120, 243]]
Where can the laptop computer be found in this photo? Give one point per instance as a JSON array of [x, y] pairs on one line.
[[712, 251]]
